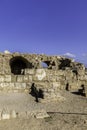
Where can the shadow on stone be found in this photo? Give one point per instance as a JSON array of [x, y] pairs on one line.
[[80, 91]]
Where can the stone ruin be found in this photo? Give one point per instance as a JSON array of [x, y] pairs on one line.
[[50, 74]]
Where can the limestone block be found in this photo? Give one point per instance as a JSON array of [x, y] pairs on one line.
[[13, 114], [85, 77], [68, 78], [74, 85], [13, 78], [62, 87], [23, 85], [40, 114], [52, 78], [30, 78], [28, 87], [1, 71], [20, 85], [56, 85], [29, 71], [20, 78], [26, 79], [5, 114], [17, 85], [50, 90], [7, 78], [81, 72], [61, 72], [1, 78], [41, 85], [4, 85], [59, 77], [11, 85], [40, 74], [1, 85]]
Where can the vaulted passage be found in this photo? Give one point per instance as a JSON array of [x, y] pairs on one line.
[[18, 64]]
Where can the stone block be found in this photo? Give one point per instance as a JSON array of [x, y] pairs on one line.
[[1, 78], [11, 85], [28, 85], [56, 85], [29, 71], [58, 78], [40, 74], [30, 78], [13, 78], [20, 78], [51, 78], [5, 114], [41, 115], [60, 72], [20, 85], [7, 78], [26, 79], [23, 85], [4, 85]]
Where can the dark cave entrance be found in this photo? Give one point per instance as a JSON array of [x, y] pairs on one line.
[[18, 64]]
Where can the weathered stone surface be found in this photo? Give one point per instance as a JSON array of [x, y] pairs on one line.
[[29, 71], [40, 74], [20, 78], [41, 115], [20, 85], [13, 114], [5, 114], [30, 78], [27, 78], [19, 71], [1, 78], [7, 78]]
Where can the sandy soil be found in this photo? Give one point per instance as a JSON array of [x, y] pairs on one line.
[[70, 114]]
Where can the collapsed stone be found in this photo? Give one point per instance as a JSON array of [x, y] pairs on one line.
[[50, 74]]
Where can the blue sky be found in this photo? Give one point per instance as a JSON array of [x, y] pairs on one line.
[[53, 27]]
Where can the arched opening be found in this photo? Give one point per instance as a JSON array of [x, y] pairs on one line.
[[48, 64], [44, 64], [18, 64], [64, 63]]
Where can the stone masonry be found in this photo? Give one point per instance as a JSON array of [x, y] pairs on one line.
[[50, 73]]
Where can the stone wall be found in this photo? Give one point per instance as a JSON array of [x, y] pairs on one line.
[[58, 74]]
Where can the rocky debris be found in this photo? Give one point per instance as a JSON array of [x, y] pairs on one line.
[[40, 114], [36, 113], [5, 114], [19, 71]]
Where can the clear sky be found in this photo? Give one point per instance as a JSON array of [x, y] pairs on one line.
[[44, 26]]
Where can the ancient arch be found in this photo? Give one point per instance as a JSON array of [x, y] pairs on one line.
[[18, 64], [44, 64]]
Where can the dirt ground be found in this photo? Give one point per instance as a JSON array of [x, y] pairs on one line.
[[70, 114]]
